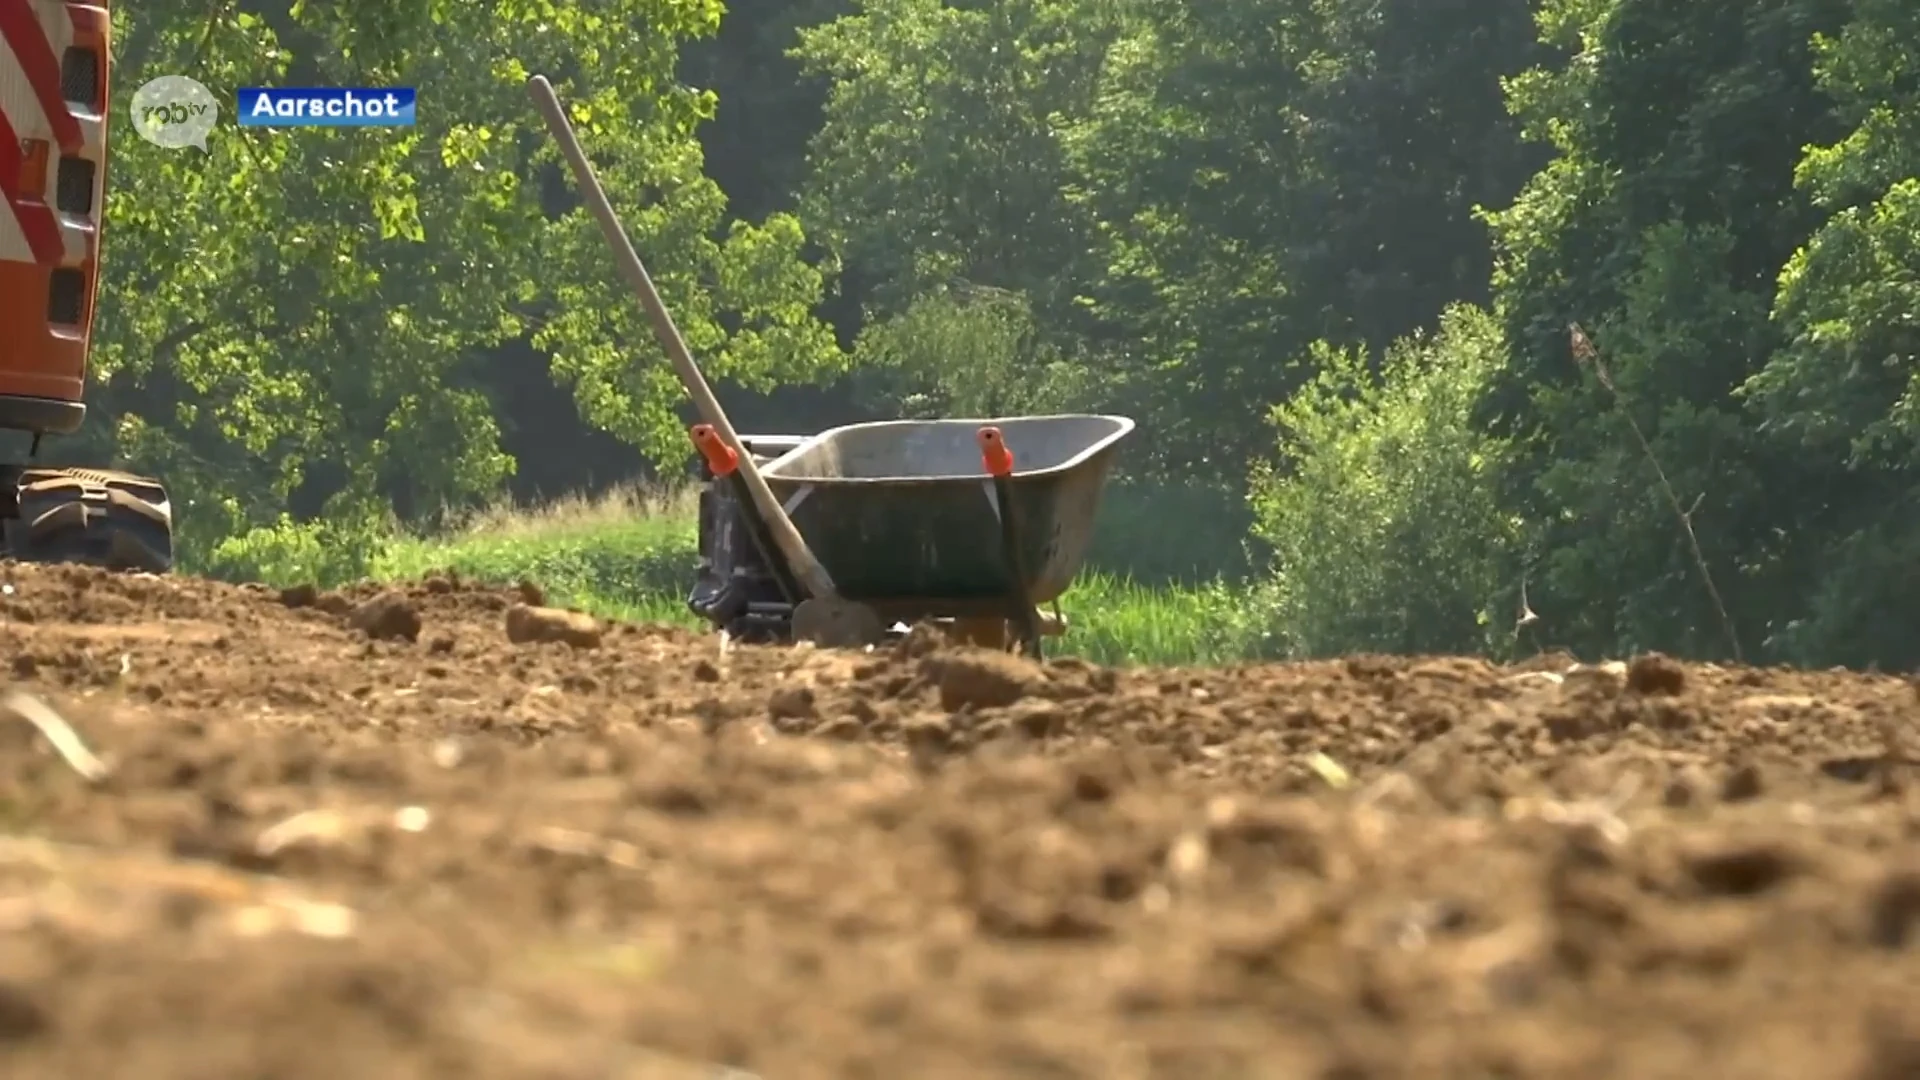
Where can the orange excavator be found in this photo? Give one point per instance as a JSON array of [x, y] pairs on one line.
[[53, 166]]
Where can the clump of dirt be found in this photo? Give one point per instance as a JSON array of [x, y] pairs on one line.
[[388, 617], [1656, 675], [979, 679], [527, 624], [325, 850]]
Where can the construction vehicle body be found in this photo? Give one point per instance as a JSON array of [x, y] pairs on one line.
[[53, 167], [907, 521]]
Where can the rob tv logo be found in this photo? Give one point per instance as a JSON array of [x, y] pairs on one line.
[[339, 106], [174, 111]]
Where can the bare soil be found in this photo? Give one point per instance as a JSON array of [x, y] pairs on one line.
[[434, 834]]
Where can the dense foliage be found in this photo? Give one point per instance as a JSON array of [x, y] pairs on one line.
[[308, 307], [1329, 253]]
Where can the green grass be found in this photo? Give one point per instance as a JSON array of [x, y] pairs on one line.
[[627, 555], [630, 555], [1115, 620]]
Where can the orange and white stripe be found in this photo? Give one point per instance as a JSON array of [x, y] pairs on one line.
[[49, 259], [38, 128]]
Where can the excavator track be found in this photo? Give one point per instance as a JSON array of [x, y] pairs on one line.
[[94, 517]]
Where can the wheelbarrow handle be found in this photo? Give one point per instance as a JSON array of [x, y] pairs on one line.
[[723, 462], [997, 458]]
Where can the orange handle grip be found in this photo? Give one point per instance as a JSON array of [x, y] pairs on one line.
[[994, 453], [722, 460]]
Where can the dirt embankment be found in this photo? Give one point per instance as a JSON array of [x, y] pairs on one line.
[[426, 836]]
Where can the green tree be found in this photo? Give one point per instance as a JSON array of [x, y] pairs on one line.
[[306, 306], [971, 351], [767, 108], [939, 161], [1269, 173], [1385, 528], [1660, 226], [1844, 388], [938, 177]]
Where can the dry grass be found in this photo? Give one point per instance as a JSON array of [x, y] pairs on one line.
[[576, 513]]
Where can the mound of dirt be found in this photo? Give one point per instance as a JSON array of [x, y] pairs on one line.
[[442, 831]]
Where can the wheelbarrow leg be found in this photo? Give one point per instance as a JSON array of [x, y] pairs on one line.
[[999, 464]]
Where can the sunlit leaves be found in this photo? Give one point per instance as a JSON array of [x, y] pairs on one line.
[[309, 306], [975, 351], [1849, 301], [1386, 530], [1661, 225]]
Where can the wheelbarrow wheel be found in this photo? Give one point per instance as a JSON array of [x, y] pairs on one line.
[[836, 623]]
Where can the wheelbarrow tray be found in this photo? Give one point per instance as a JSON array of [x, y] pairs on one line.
[[903, 515]]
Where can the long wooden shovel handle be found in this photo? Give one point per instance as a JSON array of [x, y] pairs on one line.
[[799, 557]]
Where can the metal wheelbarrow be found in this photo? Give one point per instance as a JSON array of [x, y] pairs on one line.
[[907, 519]]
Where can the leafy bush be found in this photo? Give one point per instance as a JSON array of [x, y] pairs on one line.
[[290, 552], [969, 351], [1381, 511]]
